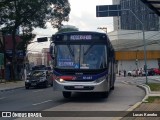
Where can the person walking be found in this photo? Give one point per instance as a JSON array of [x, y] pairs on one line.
[[124, 73]]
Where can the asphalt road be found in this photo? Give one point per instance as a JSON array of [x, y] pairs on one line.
[[122, 98]]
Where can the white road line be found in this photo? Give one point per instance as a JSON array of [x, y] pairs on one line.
[[2, 98], [42, 102], [38, 90]]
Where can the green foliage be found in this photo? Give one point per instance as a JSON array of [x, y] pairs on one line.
[[28, 14], [152, 99], [154, 86], [33, 13]]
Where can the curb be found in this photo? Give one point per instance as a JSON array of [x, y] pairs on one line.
[[9, 89], [147, 91]]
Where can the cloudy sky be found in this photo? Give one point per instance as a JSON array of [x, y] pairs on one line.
[[82, 15]]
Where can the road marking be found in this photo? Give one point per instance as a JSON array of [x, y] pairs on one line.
[[38, 90], [124, 82], [2, 98], [42, 102]]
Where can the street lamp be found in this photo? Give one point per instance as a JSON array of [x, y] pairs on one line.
[[144, 41], [137, 59]]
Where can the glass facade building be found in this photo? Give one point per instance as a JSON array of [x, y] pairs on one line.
[[128, 20]]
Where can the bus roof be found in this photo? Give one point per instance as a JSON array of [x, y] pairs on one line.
[[80, 36]]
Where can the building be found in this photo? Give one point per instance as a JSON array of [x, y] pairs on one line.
[[129, 47], [42, 58], [46, 58], [127, 37], [130, 9], [34, 59]]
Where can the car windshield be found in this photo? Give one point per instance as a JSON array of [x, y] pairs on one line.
[[81, 56], [38, 73]]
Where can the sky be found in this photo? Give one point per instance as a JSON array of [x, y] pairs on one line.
[[82, 16]]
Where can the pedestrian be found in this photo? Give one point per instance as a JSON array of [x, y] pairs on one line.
[[119, 73], [124, 73]]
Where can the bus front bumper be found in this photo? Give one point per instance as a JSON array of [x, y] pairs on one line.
[[92, 86]]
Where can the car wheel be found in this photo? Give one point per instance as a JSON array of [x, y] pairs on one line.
[[46, 84], [27, 87], [129, 74], [66, 94]]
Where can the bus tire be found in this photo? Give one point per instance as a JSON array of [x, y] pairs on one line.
[[46, 84], [112, 88], [66, 94]]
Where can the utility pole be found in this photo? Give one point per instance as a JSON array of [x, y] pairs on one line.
[[144, 42]]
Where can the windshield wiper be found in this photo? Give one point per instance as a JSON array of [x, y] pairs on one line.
[[88, 49], [70, 50]]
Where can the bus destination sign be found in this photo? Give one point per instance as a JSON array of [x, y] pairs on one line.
[[80, 37]]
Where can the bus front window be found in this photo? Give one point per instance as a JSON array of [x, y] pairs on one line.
[[80, 56], [94, 56], [67, 56]]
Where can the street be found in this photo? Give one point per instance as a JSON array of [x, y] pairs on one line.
[[122, 98]]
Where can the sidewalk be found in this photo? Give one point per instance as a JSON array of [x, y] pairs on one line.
[[5, 86], [144, 106]]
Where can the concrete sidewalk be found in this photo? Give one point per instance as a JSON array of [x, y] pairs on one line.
[[157, 78], [5, 86]]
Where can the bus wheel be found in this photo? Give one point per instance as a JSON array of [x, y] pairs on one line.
[[66, 94], [112, 88], [104, 94]]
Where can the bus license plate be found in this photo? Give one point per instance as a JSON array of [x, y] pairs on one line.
[[79, 86]]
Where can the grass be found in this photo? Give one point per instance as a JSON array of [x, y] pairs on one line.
[[154, 86], [153, 99]]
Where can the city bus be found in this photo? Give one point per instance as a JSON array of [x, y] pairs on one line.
[[83, 61]]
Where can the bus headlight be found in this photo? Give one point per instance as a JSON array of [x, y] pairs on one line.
[[60, 79], [100, 80]]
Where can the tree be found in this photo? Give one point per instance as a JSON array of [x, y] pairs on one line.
[[27, 14]]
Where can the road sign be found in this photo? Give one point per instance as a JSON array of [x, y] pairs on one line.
[[108, 10], [42, 39]]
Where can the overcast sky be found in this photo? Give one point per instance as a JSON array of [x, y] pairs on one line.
[[82, 16]]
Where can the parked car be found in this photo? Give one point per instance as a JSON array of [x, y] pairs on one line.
[[134, 73], [129, 73], [156, 71], [38, 78], [151, 72]]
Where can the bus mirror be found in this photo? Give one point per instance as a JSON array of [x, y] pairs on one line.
[[42, 39]]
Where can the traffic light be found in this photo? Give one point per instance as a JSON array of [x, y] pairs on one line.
[[42, 39]]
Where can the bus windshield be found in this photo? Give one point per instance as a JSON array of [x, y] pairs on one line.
[[81, 56]]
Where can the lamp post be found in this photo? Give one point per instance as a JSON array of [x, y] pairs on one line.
[[137, 59], [144, 42]]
